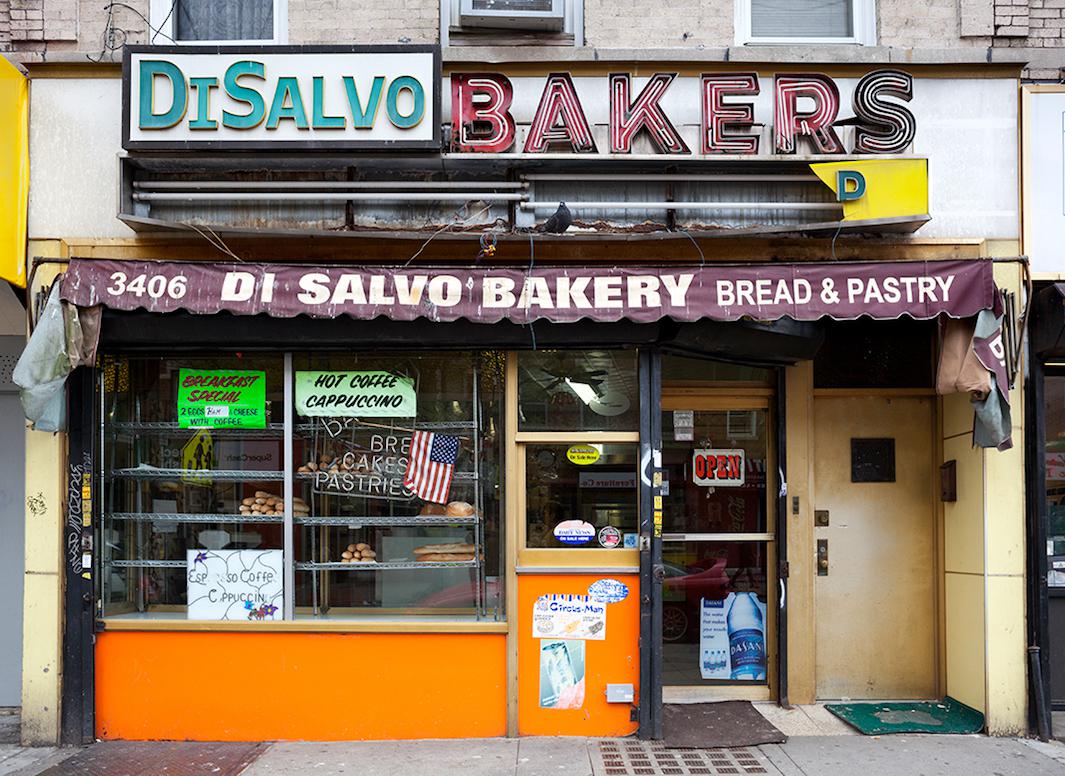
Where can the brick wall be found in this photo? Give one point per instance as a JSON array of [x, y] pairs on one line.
[[351, 21], [936, 24], [92, 28], [637, 23], [87, 26]]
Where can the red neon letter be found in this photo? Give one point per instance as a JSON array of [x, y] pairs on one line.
[[559, 119], [627, 119], [816, 124], [719, 116], [480, 113]]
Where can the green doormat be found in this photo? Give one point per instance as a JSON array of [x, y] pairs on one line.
[[874, 719]]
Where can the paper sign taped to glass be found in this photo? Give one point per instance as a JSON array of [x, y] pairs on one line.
[[235, 584], [732, 638], [221, 398], [561, 674], [373, 394], [557, 616]]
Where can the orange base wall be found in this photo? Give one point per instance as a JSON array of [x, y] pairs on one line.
[[217, 686], [614, 660]]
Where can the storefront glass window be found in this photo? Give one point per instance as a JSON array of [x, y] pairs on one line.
[[578, 390], [1055, 478], [171, 490], [396, 474], [722, 587], [716, 463], [366, 542], [581, 495], [684, 372]]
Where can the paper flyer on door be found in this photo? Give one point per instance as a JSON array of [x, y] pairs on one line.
[[732, 638]]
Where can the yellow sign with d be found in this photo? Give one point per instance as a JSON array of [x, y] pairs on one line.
[[878, 189]]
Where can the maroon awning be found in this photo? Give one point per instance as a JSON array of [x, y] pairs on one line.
[[807, 291]]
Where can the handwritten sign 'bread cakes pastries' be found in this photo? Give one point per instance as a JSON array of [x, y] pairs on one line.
[[557, 616]]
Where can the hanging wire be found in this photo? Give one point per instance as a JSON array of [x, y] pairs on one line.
[[156, 31], [528, 273], [834, 238], [216, 241], [702, 258], [456, 221]]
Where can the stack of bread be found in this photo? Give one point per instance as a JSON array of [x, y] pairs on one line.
[[358, 553], [453, 552], [453, 509], [268, 504], [325, 463]]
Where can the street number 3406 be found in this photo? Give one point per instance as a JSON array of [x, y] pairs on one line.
[[155, 286]]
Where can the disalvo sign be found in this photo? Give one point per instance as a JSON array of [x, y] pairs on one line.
[[365, 97]]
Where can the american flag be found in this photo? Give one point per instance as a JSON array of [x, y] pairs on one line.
[[431, 466]]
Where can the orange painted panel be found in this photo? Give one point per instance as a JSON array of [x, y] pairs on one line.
[[219, 686], [614, 660]]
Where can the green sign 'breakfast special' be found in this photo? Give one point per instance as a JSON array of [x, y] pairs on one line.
[[221, 398]]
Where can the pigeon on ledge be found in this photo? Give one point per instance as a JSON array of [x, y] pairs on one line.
[[559, 222]]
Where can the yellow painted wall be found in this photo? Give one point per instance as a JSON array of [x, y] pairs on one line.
[[1004, 509], [963, 559], [14, 171], [801, 624], [984, 549], [43, 614]]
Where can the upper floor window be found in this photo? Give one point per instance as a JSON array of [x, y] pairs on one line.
[[219, 21], [512, 22], [806, 21]]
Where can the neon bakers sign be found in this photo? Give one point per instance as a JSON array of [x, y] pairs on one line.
[[373, 97], [804, 105]]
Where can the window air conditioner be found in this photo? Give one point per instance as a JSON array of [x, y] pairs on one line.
[[520, 14]]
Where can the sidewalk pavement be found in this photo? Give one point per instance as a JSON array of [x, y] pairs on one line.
[[800, 756], [819, 744]]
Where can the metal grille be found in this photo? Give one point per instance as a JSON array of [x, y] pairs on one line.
[[10, 350], [629, 757]]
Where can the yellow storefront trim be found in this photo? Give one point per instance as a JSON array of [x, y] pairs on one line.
[[14, 172]]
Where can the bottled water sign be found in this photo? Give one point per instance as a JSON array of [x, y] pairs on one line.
[[746, 638], [732, 638]]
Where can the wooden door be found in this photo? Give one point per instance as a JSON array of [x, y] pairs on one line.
[[875, 608]]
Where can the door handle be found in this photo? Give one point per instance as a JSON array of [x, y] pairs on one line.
[[822, 557]]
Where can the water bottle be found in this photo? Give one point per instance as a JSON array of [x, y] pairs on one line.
[[746, 638]]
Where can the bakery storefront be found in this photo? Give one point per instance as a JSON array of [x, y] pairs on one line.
[[369, 436], [474, 523]]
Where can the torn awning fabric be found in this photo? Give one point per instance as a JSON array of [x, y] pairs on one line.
[[802, 291]]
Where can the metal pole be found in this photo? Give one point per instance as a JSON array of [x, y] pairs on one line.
[[289, 556], [336, 185], [326, 196], [664, 205]]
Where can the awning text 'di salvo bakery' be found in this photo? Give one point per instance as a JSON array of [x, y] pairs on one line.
[[808, 291]]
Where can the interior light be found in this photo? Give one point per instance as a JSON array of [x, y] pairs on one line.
[[585, 392]]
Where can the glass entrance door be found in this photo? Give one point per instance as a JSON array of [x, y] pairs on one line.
[[718, 591]]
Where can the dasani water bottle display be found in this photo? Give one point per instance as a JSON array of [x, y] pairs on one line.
[[746, 638], [732, 638]]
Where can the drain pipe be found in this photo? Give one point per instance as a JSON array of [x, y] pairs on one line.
[[1042, 723]]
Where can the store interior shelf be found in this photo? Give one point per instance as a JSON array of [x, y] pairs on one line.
[[384, 565], [455, 477], [204, 517], [152, 473], [388, 521], [271, 431], [149, 564]]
